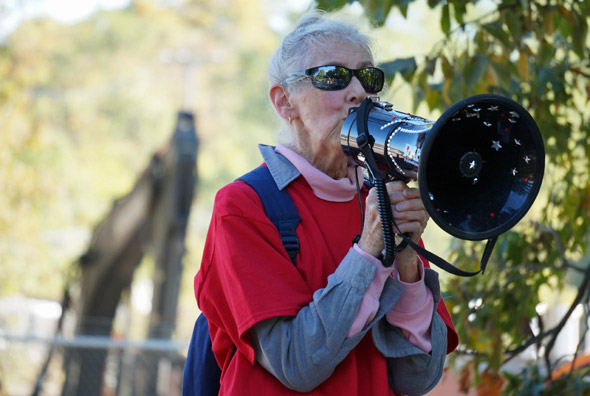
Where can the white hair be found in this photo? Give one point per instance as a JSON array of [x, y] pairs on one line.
[[314, 30]]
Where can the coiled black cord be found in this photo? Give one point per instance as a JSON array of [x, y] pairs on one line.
[[385, 216], [365, 142]]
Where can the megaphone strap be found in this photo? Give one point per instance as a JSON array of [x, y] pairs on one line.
[[445, 265]]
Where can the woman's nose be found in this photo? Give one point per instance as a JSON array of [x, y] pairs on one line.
[[356, 93]]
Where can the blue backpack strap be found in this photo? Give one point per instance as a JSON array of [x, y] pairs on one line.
[[279, 207], [201, 372]]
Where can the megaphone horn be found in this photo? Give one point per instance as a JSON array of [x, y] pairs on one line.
[[479, 166]]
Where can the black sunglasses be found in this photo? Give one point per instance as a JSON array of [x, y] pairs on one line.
[[333, 78]]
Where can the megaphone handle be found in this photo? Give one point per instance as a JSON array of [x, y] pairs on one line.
[[365, 142], [386, 217]]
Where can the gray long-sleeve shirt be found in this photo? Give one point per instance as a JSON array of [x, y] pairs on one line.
[[303, 351]]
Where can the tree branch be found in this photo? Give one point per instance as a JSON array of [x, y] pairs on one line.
[[560, 247], [580, 342], [531, 341], [582, 291]]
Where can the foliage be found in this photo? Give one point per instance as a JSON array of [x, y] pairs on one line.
[[83, 106], [537, 53], [55, 136], [530, 381]]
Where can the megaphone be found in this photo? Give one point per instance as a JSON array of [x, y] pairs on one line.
[[479, 167]]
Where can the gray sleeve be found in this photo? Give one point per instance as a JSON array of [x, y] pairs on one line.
[[303, 351], [412, 371]]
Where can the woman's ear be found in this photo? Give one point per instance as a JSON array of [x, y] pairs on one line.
[[280, 100]]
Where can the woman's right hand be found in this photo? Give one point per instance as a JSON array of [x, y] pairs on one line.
[[371, 240], [411, 217]]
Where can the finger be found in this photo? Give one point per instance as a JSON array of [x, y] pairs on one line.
[[410, 193], [409, 217], [413, 228], [395, 197], [409, 204], [396, 185]]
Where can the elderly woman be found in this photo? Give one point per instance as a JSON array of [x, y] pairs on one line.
[[338, 322]]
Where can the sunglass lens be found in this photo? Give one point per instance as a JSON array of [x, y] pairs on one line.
[[371, 79], [331, 78]]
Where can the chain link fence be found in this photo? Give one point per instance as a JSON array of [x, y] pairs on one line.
[[90, 365], [36, 362]]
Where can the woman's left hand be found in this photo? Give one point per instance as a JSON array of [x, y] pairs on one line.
[[411, 217]]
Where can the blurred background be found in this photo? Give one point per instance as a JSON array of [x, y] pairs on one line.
[[120, 119]]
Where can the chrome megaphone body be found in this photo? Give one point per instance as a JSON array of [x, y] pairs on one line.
[[479, 167]]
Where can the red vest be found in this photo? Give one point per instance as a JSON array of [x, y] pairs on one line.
[[246, 277]]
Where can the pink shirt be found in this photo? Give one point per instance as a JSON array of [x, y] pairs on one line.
[[413, 311]]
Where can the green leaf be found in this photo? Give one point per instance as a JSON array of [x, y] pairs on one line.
[[460, 8], [455, 93], [447, 68], [502, 70], [514, 22], [430, 66], [445, 19], [433, 96], [564, 21], [405, 66], [580, 35], [402, 5], [566, 13], [548, 18], [419, 95], [474, 70], [404, 11], [523, 66], [496, 30], [379, 10], [330, 5], [546, 52]]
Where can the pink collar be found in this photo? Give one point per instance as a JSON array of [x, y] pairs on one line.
[[323, 186]]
